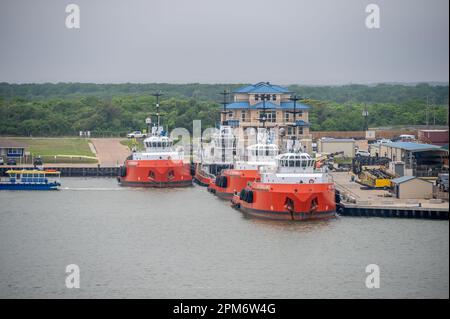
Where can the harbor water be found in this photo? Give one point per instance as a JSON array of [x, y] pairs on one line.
[[186, 243]]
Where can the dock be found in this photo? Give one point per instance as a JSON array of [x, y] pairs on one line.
[[363, 202], [393, 211], [72, 170]]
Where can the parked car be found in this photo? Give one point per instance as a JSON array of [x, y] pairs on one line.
[[11, 161], [136, 134], [383, 141], [1, 161], [362, 153]]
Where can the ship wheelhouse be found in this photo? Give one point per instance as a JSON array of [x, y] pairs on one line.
[[262, 152], [295, 163], [158, 144]]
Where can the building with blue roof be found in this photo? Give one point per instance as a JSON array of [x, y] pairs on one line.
[[251, 102], [421, 160]]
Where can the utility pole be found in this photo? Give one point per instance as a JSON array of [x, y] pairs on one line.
[[365, 114], [426, 113]]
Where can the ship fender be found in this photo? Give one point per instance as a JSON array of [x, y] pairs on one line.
[[221, 181], [289, 205], [246, 195], [123, 171]]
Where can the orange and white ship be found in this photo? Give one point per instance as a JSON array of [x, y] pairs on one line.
[[215, 156], [159, 165], [292, 190], [232, 181]]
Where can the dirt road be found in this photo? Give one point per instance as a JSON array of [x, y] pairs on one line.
[[109, 151]]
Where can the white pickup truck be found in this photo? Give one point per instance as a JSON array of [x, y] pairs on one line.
[[136, 134]]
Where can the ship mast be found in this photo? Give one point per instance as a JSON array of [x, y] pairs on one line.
[[294, 98], [263, 115], [225, 95], [158, 115]]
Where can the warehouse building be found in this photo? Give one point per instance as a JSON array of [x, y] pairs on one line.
[[11, 149], [333, 145], [411, 187], [421, 160]]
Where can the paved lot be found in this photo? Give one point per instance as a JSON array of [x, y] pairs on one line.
[[375, 197], [109, 151]]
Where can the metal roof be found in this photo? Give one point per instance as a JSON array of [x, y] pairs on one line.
[[402, 179], [7, 143], [413, 147], [269, 105], [337, 140], [262, 87]]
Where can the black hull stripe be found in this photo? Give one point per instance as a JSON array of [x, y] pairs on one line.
[[286, 215], [157, 185]]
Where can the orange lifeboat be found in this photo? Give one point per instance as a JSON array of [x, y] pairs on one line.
[[294, 190]]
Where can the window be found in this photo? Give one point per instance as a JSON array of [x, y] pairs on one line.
[[287, 117], [256, 97], [243, 116], [274, 97], [230, 114], [300, 131], [271, 116], [290, 130]]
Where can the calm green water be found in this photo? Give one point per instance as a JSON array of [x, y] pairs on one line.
[[185, 243]]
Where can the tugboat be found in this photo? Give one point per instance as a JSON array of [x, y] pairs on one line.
[[259, 155], [215, 156], [160, 165], [23, 179], [218, 154], [293, 190], [232, 181]]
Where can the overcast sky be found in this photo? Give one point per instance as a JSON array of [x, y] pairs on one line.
[[224, 41]]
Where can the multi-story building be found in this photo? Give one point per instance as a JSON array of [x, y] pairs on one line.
[[252, 102]]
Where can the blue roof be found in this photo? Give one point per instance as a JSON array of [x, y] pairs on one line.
[[262, 87], [238, 105], [413, 147], [269, 105], [290, 105], [402, 179]]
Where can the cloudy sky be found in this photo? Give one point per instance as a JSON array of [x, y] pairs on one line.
[[224, 41]]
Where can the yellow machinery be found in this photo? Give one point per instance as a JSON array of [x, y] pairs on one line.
[[375, 177]]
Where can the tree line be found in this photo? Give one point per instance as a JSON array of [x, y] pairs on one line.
[[66, 108]]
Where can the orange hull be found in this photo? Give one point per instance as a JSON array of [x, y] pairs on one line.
[[156, 173], [201, 178], [288, 201], [236, 180]]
